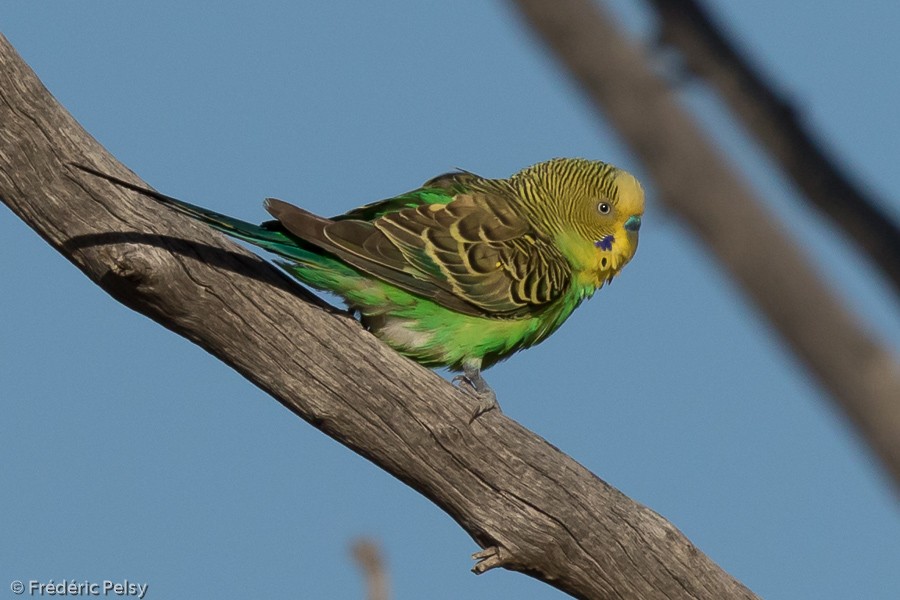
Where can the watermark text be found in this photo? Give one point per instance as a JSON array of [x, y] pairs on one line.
[[74, 587]]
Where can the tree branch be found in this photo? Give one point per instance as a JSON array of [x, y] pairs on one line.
[[701, 187], [367, 555], [548, 516], [686, 26]]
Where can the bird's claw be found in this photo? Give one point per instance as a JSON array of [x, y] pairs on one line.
[[463, 383], [486, 398]]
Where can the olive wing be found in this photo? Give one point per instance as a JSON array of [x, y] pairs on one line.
[[470, 255]]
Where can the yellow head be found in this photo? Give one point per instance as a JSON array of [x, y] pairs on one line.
[[592, 209]]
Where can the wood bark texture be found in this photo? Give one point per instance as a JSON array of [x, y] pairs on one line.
[[532, 507], [700, 186]]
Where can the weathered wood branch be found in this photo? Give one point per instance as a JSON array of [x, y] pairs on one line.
[[699, 185], [778, 126], [545, 514]]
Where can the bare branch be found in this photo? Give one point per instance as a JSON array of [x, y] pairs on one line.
[[549, 516], [778, 126], [368, 555], [701, 186]]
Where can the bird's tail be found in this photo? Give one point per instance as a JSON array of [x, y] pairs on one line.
[[305, 261], [266, 237]]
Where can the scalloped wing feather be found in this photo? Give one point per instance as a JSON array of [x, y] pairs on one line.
[[474, 255]]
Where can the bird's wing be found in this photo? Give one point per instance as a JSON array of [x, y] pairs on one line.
[[482, 252], [439, 190], [469, 255]]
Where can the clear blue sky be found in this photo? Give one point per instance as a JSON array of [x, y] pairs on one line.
[[127, 452]]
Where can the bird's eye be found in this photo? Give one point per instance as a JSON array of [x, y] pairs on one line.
[[604, 208]]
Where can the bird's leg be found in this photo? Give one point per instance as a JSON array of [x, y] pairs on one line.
[[471, 381]]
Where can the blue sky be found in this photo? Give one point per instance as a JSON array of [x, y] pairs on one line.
[[130, 453]]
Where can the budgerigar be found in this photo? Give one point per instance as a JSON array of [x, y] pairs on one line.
[[464, 271]]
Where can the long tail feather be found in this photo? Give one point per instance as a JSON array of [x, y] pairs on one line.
[[308, 263], [230, 225]]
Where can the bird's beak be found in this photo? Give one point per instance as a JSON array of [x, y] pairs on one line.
[[633, 224]]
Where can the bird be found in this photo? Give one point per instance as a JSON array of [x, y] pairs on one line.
[[463, 271]]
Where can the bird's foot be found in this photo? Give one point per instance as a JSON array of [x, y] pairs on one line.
[[474, 384], [487, 399]]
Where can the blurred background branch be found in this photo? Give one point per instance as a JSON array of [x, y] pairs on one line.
[[367, 554], [778, 126], [702, 187]]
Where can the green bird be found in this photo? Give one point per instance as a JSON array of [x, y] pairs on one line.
[[463, 271]]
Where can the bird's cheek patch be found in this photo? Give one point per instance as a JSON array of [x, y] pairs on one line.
[[606, 243]]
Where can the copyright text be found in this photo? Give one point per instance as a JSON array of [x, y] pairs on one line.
[[72, 587]]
